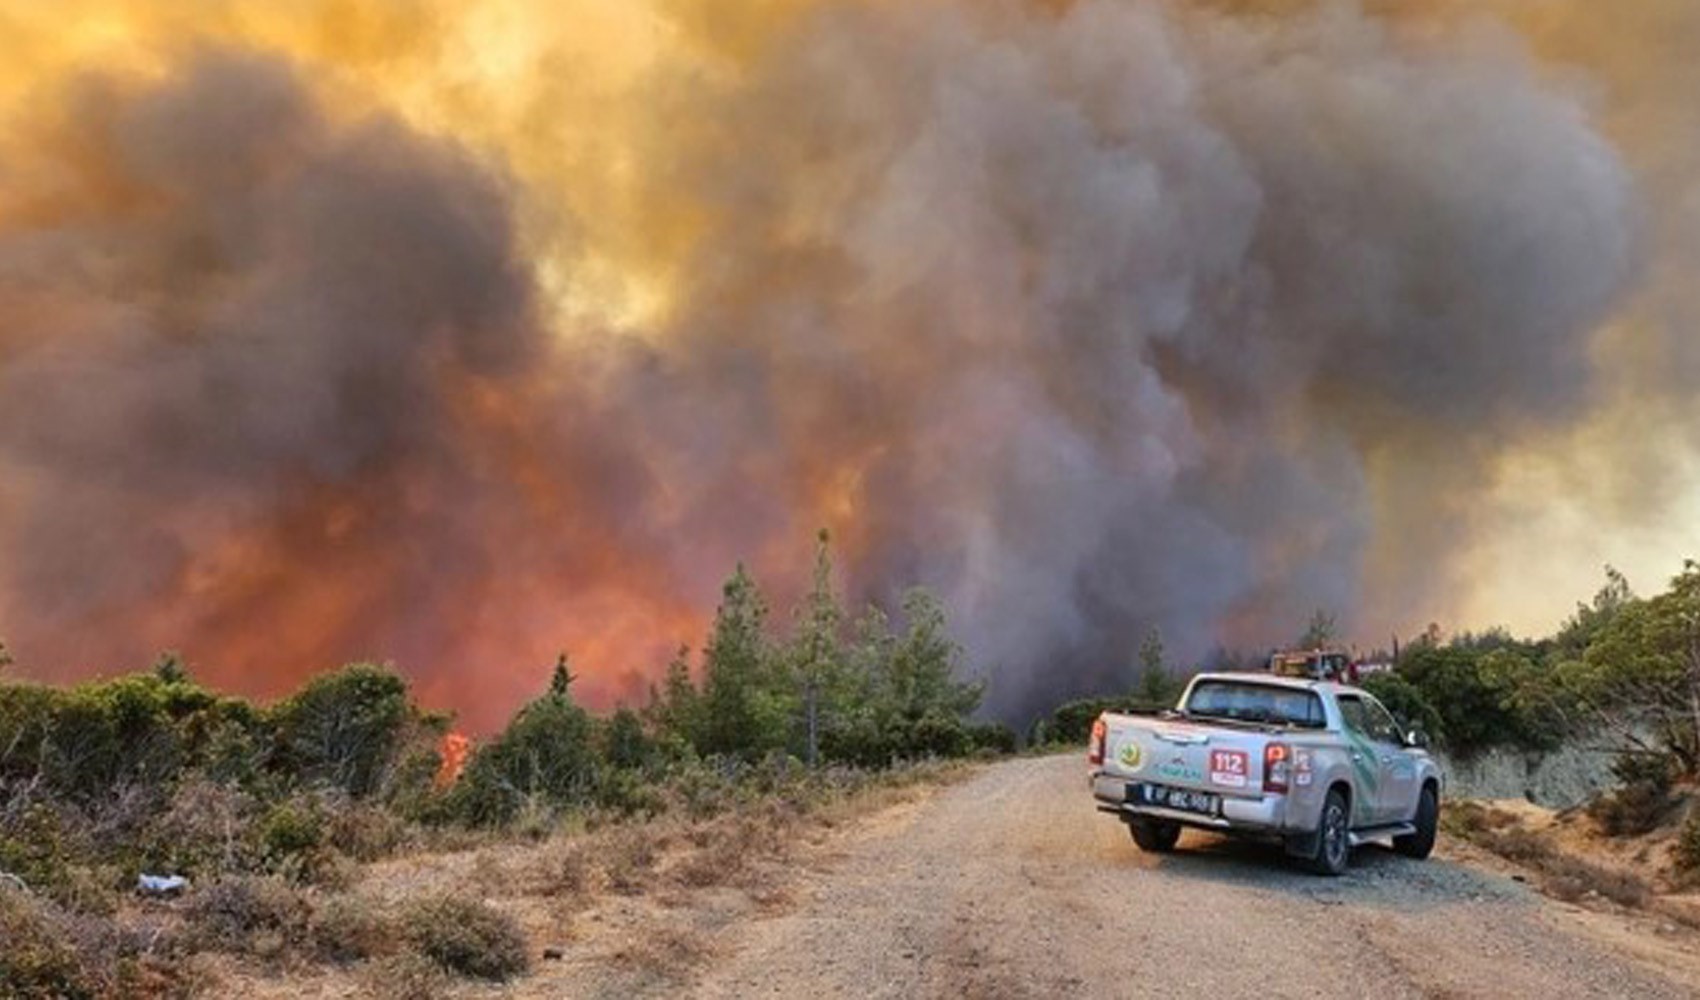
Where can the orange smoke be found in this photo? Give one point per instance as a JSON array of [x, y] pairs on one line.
[[455, 334]]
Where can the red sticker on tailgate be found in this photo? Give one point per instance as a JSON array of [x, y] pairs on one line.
[[1228, 767]]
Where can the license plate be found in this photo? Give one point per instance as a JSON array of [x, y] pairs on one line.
[[1183, 799]]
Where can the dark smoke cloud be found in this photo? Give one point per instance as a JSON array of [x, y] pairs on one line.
[[1093, 317], [239, 338], [1137, 316]]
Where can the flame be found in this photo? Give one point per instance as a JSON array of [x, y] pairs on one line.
[[454, 750]]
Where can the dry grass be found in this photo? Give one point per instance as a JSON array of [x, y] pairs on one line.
[[351, 928], [664, 951], [468, 937], [1561, 874], [46, 951], [731, 850], [628, 856], [264, 917], [633, 897], [406, 976]]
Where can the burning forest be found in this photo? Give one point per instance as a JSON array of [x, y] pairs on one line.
[[453, 334]]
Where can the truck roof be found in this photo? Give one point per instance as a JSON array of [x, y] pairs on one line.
[[1274, 680]]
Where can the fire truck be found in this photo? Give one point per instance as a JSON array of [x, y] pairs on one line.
[[1333, 665]]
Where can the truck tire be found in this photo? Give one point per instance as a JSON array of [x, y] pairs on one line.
[[1333, 836], [1418, 845], [1154, 836]]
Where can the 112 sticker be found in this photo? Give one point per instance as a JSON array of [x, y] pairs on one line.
[[1228, 767]]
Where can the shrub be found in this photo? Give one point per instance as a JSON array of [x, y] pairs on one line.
[[351, 929], [625, 745], [345, 728], [1407, 703], [545, 753], [48, 953], [407, 976], [992, 737], [205, 828], [363, 831], [935, 736], [38, 958], [36, 846], [1478, 688], [628, 858], [467, 937], [1070, 724], [248, 915], [1687, 854], [1643, 801]]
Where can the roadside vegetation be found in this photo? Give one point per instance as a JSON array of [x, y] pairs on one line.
[[1620, 677], [277, 814]]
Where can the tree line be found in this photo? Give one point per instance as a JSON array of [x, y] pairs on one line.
[[828, 690], [1623, 670]]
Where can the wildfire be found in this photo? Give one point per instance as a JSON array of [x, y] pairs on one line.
[[451, 334], [454, 750]]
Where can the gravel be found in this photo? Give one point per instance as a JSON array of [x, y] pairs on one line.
[[1011, 885]]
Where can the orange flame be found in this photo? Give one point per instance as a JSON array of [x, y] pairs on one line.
[[454, 750]]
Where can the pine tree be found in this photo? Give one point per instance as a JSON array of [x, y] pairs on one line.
[[1155, 686], [745, 706], [562, 680], [817, 651], [924, 662], [169, 668], [674, 710]]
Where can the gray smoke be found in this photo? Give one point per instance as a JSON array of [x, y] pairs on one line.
[[1137, 315], [1094, 317]]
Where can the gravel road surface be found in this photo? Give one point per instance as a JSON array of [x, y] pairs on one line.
[[1011, 885]]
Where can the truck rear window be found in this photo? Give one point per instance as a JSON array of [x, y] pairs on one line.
[[1250, 702]]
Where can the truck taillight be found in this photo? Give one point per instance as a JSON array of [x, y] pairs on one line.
[[1095, 749], [1276, 761]]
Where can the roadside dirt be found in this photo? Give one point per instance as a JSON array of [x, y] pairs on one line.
[[1011, 885], [1007, 883]]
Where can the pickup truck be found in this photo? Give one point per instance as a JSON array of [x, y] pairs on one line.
[[1317, 766]]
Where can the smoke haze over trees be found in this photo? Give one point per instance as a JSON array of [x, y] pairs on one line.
[[1092, 317]]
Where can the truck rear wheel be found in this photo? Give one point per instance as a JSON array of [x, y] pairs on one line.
[[1333, 836], [1155, 836], [1419, 844]]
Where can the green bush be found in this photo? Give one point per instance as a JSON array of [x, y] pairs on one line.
[[1070, 724], [546, 754], [1484, 694], [345, 728], [1407, 704], [992, 737], [935, 736], [291, 828], [467, 937], [624, 743], [1643, 800]]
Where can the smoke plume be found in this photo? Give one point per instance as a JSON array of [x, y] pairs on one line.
[[1092, 316]]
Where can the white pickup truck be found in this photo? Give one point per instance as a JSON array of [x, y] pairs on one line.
[[1317, 766]]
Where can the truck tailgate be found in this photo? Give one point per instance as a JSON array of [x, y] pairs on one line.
[[1180, 754]]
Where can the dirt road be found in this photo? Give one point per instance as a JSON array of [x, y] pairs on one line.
[[1010, 885]]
